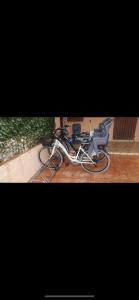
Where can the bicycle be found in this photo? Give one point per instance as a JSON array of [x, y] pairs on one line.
[[62, 135], [88, 162], [83, 139], [67, 141]]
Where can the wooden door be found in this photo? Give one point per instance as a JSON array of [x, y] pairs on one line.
[[124, 128]]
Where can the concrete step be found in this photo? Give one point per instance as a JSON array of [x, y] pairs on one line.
[[118, 147]]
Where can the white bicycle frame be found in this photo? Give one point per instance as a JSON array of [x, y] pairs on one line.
[[72, 158]]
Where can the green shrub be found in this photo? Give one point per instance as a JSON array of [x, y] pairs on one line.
[[34, 127], [23, 133]]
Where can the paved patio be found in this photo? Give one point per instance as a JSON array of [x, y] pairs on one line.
[[123, 169]]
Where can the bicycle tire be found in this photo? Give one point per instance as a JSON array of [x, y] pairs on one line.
[[95, 168], [43, 154], [56, 160]]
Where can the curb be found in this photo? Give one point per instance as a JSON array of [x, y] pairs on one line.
[[123, 153]]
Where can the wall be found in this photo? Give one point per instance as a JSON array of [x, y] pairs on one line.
[[90, 123], [21, 168], [93, 122], [57, 122], [137, 132]]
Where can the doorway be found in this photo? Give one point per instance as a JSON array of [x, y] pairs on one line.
[[124, 128]]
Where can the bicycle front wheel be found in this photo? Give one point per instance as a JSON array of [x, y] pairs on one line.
[[54, 162], [44, 154], [100, 166]]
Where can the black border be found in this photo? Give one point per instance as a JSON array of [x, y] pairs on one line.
[[68, 237]]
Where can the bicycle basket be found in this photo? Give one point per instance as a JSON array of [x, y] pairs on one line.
[[47, 141]]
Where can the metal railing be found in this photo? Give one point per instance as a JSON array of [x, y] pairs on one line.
[[43, 178]]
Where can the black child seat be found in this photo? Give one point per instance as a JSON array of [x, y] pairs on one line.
[[76, 130], [100, 136]]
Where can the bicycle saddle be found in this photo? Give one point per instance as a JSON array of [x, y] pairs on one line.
[[76, 129]]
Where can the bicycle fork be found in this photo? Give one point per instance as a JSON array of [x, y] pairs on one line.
[[53, 151]]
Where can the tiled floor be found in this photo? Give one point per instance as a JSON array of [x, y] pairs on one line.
[[123, 147], [123, 169]]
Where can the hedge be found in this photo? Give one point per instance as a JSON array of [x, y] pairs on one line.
[[19, 134]]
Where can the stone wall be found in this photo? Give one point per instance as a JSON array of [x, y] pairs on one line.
[[21, 168]]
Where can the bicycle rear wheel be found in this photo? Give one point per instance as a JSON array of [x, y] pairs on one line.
[[54, 162], [100, 166]]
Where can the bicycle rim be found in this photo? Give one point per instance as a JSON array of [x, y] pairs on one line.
[[55, 161], [44, 154], [100, 166]]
